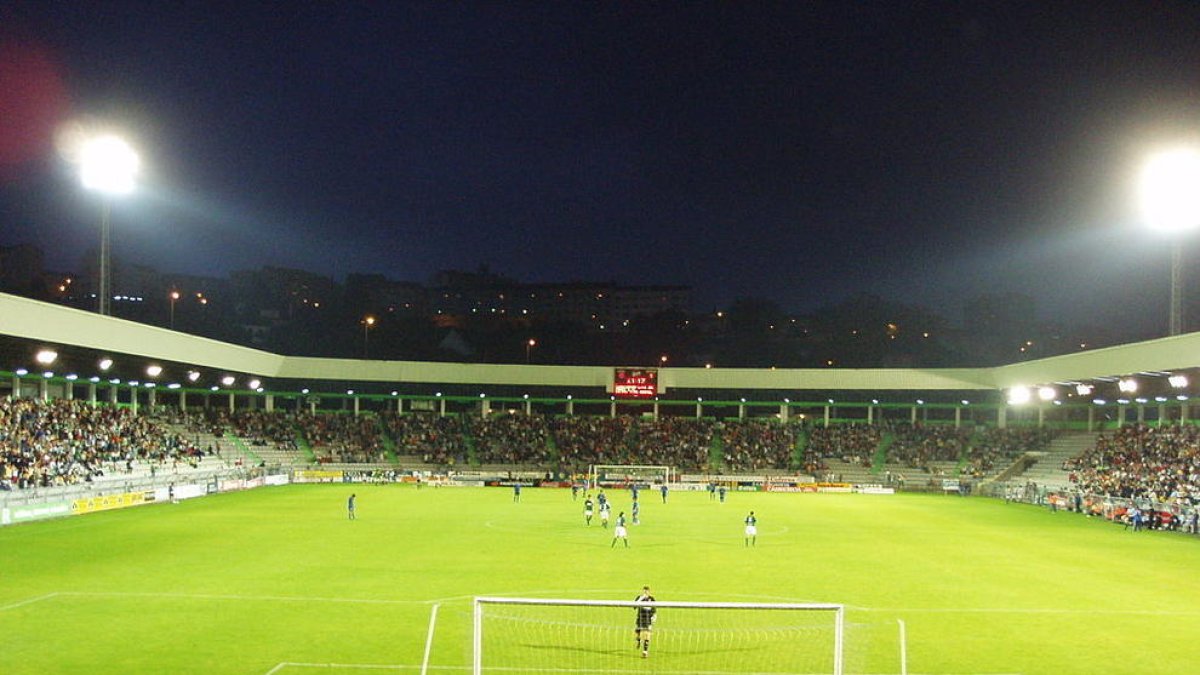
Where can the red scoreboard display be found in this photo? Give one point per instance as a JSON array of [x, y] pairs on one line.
[[635, 382]]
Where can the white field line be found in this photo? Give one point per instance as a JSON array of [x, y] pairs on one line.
[[28, 601], [638, 671], [384, 601], [429, 639]]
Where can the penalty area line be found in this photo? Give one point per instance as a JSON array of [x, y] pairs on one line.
[[28, 601]]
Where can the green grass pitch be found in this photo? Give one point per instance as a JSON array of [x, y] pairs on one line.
[[270, 580]]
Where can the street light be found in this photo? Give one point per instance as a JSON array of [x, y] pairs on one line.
[[367, 322], [1170, 191], [174, 296], [107, 165], [529, 349]]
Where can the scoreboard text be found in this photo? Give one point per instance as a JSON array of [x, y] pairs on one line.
[[635, 383]]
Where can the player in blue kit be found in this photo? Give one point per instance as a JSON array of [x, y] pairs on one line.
[[350, 507], [635, 510]]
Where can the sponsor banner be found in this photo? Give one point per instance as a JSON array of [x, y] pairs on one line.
[[846, 489], [277, 479], [318, 476], [748, 488], [460, 483], [950, 485], [21, 514], [689, 487], [775, 487], [109, 502], [254, 483], [876, 490], [232, 484]]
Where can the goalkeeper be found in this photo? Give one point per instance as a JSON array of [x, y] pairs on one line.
[[645, 621]]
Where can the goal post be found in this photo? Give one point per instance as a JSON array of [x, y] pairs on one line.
[[598, 636], [627, 473]]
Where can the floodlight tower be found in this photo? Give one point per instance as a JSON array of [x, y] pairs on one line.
[[107, 165], [1170, 189]]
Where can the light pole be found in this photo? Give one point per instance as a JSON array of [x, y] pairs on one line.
[[1170, 190], [107, 165], [174, 296], [529, 350], [367, 322]]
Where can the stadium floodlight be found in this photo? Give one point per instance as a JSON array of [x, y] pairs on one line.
[[1019, 395], [966, 402], [349, 392], [228, 380], [48, 374], [254, 384], [71, 377], [105, 363], [94, 379], [214, 388], [1083, 389], [193, 375], [109, 166], [1047, 393], [46, 357], [153, 370], [1171, 204], [21, 372], [1127, 385], [1178, 381], [304, 390], [395, 393]]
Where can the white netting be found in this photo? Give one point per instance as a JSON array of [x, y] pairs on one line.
[[624, 474], [696, 638]]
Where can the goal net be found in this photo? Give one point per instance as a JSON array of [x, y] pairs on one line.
[[612, 475], [699, 638]]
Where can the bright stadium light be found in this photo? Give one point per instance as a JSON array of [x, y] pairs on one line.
[[109, 166], [1019, 396], [1127, 385], [254, 384], [1178, 381], [1170, 195], [1047, 393], [228, 380], [46, 357], [21, 372], [1083, 389], [105, 363], [193, 375], [153, 370]]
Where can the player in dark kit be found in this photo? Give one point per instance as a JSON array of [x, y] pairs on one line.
[[350, 506], [645, 621], [587, 510]]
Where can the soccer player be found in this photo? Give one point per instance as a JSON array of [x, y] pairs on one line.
[[645, 620], [587, 509], [574, 490], [602, 498], [605, 512], [350, 506], [635, 511], [721, 492], [751, 530], [619, 531], [516, 492], [663, 490]]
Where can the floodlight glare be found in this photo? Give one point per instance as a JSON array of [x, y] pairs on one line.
[[1083, 389], [105, 363], [1178, 381], [193, 375], [1018, 395], [46, 357], [254, 384], [1170, 198], [1127, 385], [107, 164], [228, 380], [1046, 393], [154, 370]]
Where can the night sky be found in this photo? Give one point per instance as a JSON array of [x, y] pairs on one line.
[[800, 151]]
